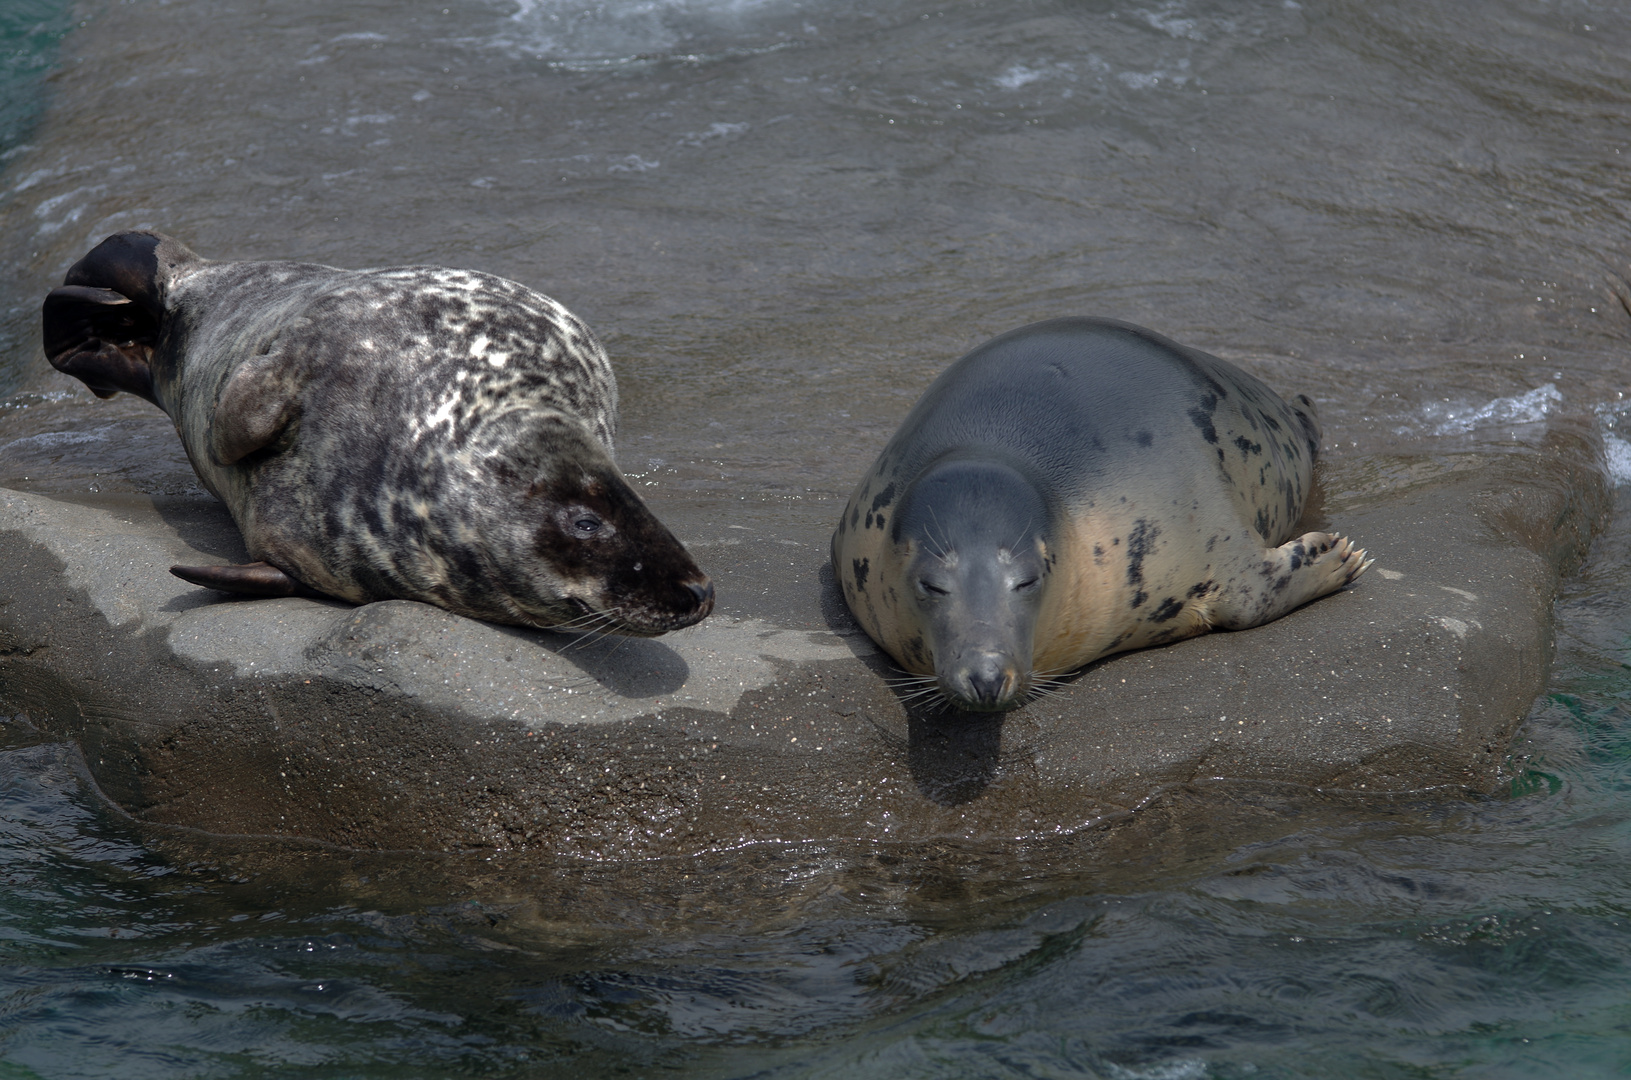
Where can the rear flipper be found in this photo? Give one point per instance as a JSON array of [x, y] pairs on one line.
[[251, 579], [103, 325], [1288, 577], [101, 338]]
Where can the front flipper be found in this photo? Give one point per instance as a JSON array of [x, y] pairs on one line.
[[255, 406], [102, 338], [1288, 577], [251, 579]]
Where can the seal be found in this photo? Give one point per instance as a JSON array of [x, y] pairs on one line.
[[1076, 488], [411, 433]]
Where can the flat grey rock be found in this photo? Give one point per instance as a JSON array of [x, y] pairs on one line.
[[396, 725]]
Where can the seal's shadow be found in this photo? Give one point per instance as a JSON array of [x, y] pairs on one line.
[[952, 756], [204, 525], [631, 667]]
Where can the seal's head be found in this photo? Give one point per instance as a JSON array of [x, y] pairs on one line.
[[973, 532], [578, 549]]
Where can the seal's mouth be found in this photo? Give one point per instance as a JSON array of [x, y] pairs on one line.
[[985, 683], [633, 619]]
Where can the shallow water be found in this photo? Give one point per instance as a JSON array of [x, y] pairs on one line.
[[783, 217]]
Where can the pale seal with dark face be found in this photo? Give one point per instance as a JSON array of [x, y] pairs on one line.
[[416, 433], [1076, 488]]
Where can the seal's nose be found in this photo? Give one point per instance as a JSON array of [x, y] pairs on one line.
[[990, 678], [703, 592]]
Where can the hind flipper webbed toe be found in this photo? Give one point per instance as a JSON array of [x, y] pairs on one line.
[[1288, 577]]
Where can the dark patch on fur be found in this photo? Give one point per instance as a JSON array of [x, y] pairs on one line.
[[1201, 417], [1169, 609], [1144, 438], [860, 567], [1140, 542], [884, 497]]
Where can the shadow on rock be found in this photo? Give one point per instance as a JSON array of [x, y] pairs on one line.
[[203, 525], [953, 756], [631, 667]]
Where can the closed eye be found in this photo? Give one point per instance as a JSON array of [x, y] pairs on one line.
[[934, 589], [1026, 584]]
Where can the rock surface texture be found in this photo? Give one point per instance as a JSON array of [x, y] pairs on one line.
[[399, 726]]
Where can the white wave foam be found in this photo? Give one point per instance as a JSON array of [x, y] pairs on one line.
[[1168, 20], [1182, 1069], [52, 440], [717, 132], [1618, 454], [1527, 408], [572, 30], [633, 163], [1019, 75]]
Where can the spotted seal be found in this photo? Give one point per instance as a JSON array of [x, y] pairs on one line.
[[416, 432], [1076, 488]]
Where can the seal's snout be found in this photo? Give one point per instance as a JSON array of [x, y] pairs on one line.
[[702, 592], [697, 597], [986, 682]]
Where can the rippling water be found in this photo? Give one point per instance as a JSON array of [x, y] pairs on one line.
[[783, 216]]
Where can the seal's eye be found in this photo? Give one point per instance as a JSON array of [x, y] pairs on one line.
[[1028, 583], [934, 590], [582, 523]]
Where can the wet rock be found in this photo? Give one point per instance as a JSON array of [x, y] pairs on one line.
[[396, 725]]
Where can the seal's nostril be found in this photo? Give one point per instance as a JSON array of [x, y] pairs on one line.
[[703, 591], [986, 688], [989, 678]]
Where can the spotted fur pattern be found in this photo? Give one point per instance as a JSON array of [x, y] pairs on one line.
[[1174, 481], [415, 432]]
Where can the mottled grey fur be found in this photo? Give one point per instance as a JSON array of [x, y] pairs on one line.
[[416, 432]]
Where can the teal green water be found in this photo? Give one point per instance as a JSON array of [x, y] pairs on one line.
[[1463, 194], [30, 32]]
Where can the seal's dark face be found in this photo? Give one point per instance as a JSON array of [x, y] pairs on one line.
[[978, 570], [608, 557]]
